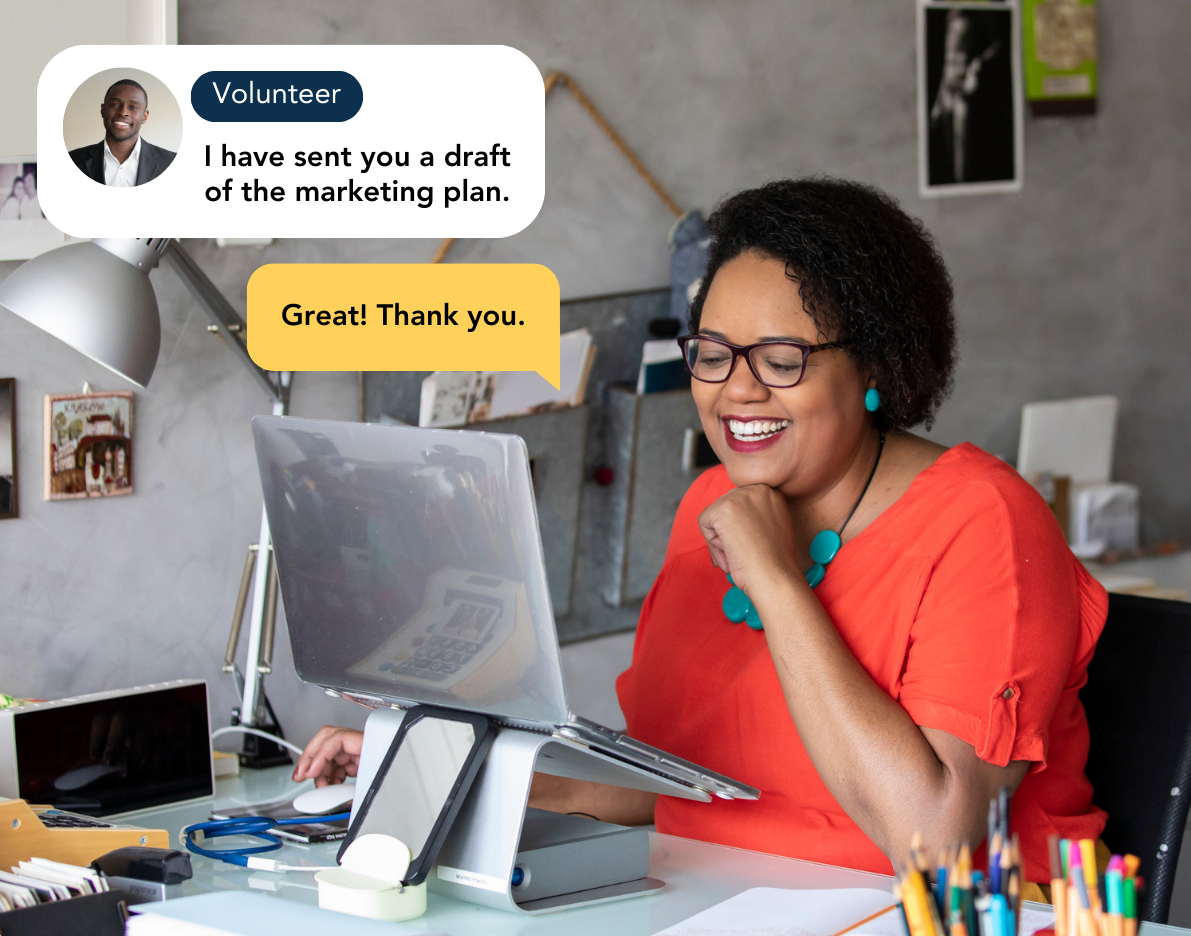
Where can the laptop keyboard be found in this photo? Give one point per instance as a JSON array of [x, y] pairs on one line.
[[57, 819]]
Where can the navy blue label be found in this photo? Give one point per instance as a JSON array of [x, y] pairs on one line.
[[277, 96]]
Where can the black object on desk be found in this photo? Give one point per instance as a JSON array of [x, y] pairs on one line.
[[145, 874], [1139, 718], [90, 915], [110, 752]]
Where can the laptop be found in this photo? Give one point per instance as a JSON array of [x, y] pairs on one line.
[[411, 567]]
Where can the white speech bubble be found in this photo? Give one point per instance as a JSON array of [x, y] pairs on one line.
[[416, 100]]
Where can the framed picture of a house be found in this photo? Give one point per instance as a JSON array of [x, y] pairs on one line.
[[88, 445]]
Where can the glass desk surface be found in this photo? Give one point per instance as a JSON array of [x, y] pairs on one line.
[[697, 876]]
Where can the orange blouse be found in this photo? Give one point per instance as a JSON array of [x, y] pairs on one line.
[[962, 601]]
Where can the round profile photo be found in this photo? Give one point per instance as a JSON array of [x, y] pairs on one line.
[[122, 127]]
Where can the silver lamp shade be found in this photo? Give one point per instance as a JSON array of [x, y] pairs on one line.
[[97, 298]]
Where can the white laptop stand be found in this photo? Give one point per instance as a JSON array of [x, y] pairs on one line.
[[477, 860]]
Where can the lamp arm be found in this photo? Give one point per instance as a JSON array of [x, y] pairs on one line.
[[231, 329], [221, 313]]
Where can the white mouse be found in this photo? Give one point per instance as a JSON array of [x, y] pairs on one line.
[[336, 797]]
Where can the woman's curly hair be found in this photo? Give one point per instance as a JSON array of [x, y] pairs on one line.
[[867, 273]]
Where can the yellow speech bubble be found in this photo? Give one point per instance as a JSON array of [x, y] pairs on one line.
[[405, 316]]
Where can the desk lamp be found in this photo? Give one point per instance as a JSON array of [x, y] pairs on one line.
[[97, 298]]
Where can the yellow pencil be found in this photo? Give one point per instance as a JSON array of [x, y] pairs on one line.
[[915, 902], [1087, 853]]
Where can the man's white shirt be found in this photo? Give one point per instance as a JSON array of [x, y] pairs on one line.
[[117, 174]]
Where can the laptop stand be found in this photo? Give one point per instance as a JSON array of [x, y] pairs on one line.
[[479, 862]]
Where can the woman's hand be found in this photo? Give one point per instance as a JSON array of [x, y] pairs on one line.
[[751, 536], [332, 756], [617, 805]]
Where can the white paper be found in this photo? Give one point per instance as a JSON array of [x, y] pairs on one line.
[[772, 911], [1034, 919], [521, 391], [447, 397], [456, 398], [1069, 437]]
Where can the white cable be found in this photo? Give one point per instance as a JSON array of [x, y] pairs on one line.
[[244, 729], [272, 864]]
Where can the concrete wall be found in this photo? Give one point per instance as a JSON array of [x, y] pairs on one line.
[[1077, 285]]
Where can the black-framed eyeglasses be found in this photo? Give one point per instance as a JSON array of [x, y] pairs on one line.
[[776, 364]]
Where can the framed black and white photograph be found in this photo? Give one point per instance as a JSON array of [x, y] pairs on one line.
[[24, 230], [8, 448], [969, 98]]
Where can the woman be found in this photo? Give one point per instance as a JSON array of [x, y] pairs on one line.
[[31, 203], [927, 649], [10, 208]]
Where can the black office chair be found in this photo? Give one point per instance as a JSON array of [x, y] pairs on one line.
[[1138, 701]]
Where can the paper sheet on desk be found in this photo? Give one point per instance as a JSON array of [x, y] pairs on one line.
[[772, 911]]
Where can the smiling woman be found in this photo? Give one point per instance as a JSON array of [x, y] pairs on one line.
[[939, 654], [917, 629]]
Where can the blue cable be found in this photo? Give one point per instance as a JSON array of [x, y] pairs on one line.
[[257, 826]]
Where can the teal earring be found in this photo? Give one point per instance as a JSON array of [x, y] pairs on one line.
[[872, 399]]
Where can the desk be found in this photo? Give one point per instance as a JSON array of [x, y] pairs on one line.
[[697, 876], [1170, 575]]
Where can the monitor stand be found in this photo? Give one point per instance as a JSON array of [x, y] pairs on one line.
[[564, 861]]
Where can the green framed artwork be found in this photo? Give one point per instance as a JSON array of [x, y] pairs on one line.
[[1059, 51]]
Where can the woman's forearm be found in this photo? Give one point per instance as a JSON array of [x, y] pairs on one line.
[[879, 765], [598, 800]]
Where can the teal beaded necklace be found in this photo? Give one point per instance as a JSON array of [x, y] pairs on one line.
[[824, 546]]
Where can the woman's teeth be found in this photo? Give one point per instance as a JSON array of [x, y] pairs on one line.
[[756, 429]]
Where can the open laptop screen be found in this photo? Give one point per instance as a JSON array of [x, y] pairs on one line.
[[410, 565]]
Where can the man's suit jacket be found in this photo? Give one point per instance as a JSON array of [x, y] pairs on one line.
[[154, 161]]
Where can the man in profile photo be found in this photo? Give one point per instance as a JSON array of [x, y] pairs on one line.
[[122, 159]]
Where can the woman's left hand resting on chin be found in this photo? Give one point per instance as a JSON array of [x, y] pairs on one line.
[[890, 775], [332, 756]]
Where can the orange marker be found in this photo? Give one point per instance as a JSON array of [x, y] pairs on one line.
[[1058, 887]]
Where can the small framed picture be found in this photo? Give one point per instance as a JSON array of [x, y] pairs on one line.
[[24, 230], [8, 448], [88, 445], [969, 98]]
